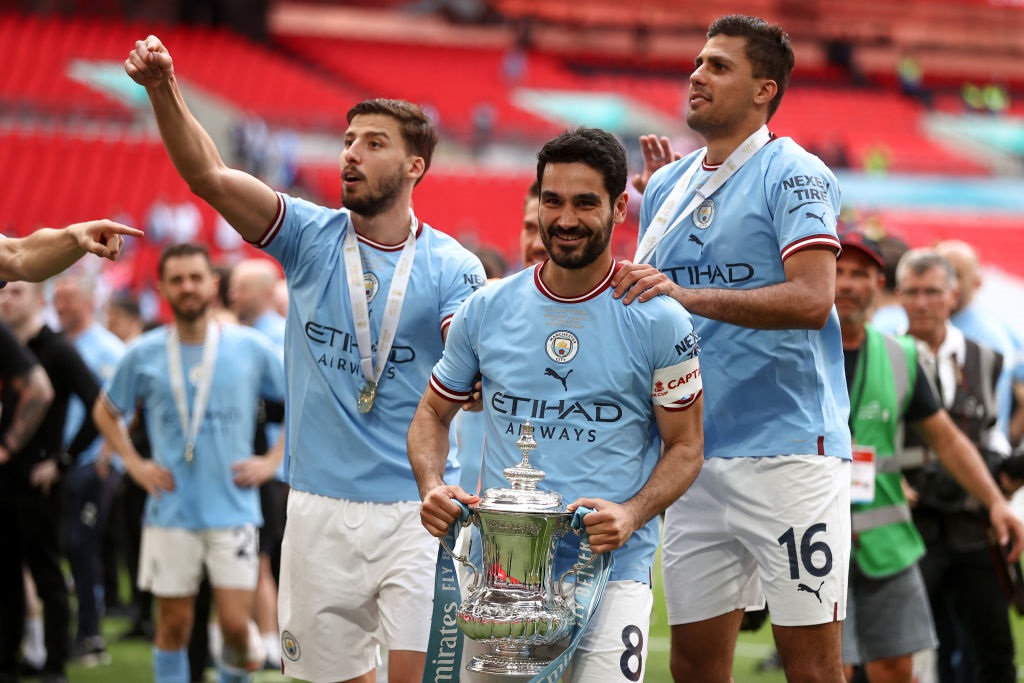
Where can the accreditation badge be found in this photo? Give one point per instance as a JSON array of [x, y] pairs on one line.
[[862, 474]]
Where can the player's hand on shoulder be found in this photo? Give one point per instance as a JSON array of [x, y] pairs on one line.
[[438, 511], [609, 526], [640, 282], [149, 63], [150, 476]]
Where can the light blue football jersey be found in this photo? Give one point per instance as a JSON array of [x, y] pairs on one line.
[[582, 371], [333, 449], [205, 495], [470, 440], [272, 325], [101, 350], [766, 392]]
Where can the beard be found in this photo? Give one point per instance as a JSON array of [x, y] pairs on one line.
[[595, 245], [375, 201], [703, 123], [188, 314]]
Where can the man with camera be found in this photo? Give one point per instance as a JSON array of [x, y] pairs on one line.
[[963, 567], [888, 616]]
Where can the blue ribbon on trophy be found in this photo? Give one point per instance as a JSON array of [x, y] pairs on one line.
[[444, 649]]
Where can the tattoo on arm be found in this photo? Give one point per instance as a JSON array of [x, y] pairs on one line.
[[33, 402]]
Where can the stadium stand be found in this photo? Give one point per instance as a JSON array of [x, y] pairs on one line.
[[93, 151]]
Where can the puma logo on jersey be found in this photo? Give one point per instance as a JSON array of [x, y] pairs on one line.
[[820, 218], [696, 240], [807, 589], [551, 373]]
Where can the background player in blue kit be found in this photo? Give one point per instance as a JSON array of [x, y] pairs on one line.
[[199, 382], [742, 233], [372, 291], [554, 336]]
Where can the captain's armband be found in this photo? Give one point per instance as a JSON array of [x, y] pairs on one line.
[[676, 382]]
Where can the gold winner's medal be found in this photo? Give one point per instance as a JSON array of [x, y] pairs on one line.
[[189, 453], [366, 396], [356, 281]]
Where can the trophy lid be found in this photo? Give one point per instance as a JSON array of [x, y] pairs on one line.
[[523, 494]]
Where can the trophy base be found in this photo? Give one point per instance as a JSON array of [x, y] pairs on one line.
[[504, 665]]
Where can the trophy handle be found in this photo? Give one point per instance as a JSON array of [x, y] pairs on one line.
[[578, 528], [463, 521]]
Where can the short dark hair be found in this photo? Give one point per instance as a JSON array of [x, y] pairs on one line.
[[532, 192], [594, 147], [418, 132], [893, 248], [182, 249], [768, 49]]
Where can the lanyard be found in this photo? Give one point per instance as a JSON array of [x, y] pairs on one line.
[[190, 423], [361, 312], [660, 226]]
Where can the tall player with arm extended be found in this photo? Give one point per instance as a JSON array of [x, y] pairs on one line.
[[372, 291], [599, 381], [742, 233]]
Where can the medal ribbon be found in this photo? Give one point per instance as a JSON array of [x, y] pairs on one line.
[[660, 227], [392, 308], [190, 423]]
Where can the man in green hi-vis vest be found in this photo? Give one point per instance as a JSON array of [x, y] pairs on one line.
[[888, 617]]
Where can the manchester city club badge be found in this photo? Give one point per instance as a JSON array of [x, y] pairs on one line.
[[562, 346], [704, 214], [372, 285]]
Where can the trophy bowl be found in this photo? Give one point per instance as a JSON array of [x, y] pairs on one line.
[[514, 604]]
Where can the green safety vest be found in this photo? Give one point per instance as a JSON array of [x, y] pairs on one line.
[[885, 540]]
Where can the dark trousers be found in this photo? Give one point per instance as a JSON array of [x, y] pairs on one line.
[[132, 508], [89, 502], [199, 641], [32, 530], [966, 586]]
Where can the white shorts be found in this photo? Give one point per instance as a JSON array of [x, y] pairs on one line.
[[750, 529], [613, 648], [171, 559], [354, 576]]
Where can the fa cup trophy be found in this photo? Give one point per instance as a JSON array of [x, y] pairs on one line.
[[514, 603]]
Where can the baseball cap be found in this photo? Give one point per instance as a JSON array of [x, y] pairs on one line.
[[854, 238]]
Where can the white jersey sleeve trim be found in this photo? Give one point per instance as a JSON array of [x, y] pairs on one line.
[[448, 394], [811, 241], [676, 382], [275, 225]]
